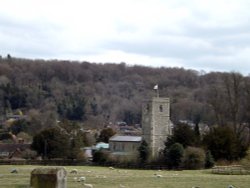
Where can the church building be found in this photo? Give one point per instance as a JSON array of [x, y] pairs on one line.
[[156, 127]]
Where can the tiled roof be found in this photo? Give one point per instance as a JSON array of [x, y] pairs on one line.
[[118, 138]]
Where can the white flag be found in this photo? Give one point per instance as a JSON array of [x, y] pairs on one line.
[[156, 87]]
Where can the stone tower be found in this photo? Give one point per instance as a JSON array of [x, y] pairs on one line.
[[156, 124]]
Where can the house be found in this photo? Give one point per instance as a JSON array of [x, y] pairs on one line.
[[12, 150], [124, 145]]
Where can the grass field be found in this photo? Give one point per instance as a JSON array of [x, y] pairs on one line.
[[103, 177]]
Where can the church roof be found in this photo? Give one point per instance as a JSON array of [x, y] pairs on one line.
[[118, 138]]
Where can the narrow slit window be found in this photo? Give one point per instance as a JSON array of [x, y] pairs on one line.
[[161, 108], [123, 147]]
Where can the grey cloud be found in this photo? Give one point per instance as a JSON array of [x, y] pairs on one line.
[[198, 45], [213, 63], [176, 47], [27, 38]]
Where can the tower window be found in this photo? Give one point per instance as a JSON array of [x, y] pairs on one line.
[[147, 108], [161, 108], [123, 147]]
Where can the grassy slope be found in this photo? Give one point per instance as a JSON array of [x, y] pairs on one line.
[[103, 177]]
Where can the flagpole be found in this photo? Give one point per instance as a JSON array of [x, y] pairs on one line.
[[156, 90]]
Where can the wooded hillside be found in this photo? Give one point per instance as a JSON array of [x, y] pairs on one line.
[[96, 94]]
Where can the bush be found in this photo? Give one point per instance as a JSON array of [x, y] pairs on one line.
[[123, 160], [81, 156], [174, 155], [29, 154], [246, 160], [194, 158], [100, 156]]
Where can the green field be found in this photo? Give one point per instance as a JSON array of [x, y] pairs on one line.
[[103, 177]]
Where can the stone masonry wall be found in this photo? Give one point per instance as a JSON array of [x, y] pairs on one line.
[[156, 123]]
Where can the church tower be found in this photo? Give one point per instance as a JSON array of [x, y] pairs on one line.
[[156, 124]]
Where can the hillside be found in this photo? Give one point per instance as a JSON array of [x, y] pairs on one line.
[[97, 94]]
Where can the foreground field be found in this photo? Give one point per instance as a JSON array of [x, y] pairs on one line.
[[103, 177]]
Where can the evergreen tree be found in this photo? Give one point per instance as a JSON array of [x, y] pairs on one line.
[[197, 134], [143, 152], [182, 134], [209, 160], [197, 130], [173, 155], [224, 144]]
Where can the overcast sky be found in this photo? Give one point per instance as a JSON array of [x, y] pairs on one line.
[[210, 35]]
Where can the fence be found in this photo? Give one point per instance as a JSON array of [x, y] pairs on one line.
[[231, 170]]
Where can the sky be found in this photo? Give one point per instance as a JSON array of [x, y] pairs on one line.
[[204, 35]]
